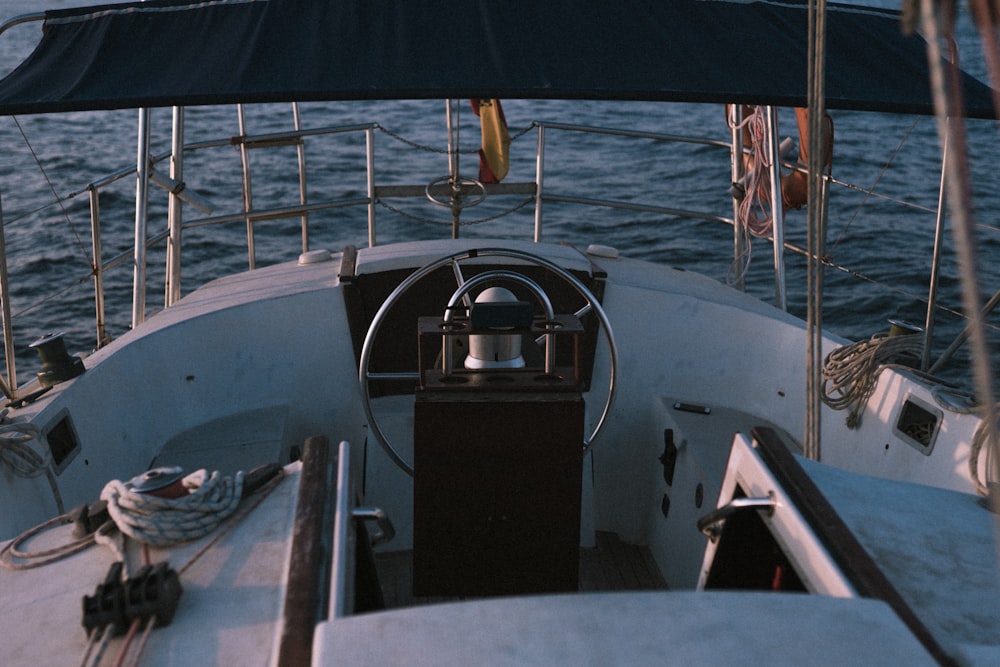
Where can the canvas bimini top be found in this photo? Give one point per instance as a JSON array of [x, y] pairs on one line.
[[196, 52]]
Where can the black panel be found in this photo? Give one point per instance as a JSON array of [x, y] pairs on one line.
[[393, 352], [496, 495]]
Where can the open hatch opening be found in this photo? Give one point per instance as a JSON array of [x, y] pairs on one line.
[[749, 558]]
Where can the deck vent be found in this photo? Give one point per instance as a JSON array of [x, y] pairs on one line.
[[918, 425]]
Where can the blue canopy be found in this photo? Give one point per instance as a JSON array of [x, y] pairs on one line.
[[192, 52]]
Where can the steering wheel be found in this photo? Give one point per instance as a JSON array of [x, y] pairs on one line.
[[458, 199], [365, 374]]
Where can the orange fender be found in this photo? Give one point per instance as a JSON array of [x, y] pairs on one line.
[[494, 155]]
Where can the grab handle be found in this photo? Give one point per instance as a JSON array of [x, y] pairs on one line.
[[711, 523], [386, 531]]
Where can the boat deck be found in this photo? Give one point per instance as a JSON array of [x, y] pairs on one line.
[[610, 566]]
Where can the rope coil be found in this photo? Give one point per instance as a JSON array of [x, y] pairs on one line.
[[980, 441], [164, 521], [850, 372], [25, 451], [16, 451], [12, 557], [754, 210]]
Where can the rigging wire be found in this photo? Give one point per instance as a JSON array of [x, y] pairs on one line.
[[464, 223], [870, 192], [816, 223], [52, 188], [938, 22], [444, 151], [986, 436], [456, 151], [854, 273]]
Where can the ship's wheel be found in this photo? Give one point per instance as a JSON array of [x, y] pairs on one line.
[[366, 375]]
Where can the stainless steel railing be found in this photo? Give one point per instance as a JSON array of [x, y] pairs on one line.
[[538, 192]]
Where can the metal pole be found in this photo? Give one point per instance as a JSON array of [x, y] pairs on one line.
[[777, 212], [8, 328], [453, 165], [925, 361], [539, 176], [738, 171], [816, 217], [247, 190], [303, 194], [963, 336], [452, 154], [141, 215], [98, 266], [370, 159], [175, 217]]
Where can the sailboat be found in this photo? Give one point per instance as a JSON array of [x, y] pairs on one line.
[[484, 451]]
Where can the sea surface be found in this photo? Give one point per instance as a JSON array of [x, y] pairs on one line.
[[47, 161]]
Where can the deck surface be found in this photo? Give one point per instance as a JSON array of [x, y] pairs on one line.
[[611, 566], [616, 566]]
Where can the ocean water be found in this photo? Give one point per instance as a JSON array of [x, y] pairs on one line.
[[47, 161]]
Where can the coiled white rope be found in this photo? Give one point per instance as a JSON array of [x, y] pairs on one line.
[[980, 440], [164, 521], [13, 557], [850, 372], [18, 454], [755, 214], [23, 459]]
